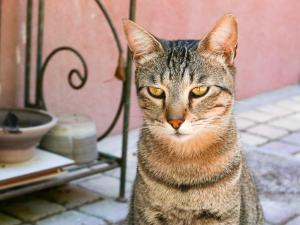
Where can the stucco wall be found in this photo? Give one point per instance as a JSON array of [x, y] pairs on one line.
[[10, 53], [268, 54]]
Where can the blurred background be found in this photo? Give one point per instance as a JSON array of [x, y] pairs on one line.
[[268, 55]]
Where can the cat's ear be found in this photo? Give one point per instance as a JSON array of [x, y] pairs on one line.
[[144, 46], [222, 39]]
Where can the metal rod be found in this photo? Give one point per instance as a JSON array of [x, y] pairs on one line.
[[0, 41], [113, 29], [115, 119], [120, 49], [54, 182], [127, 89], [109, 157], [39, 63], [98, 162], [28, 54]]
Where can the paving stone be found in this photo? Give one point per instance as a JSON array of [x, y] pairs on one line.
[[281, 147], [297, 156], [277, 212], [104, 185], [289, 104], [257, 116], [292, 138], [7, 220], [295, 221], [72, 218], [251, 139], [130, 173], [109, 210], [113, 144], [295, 116], [242, 124], [296, 98], [70, 196], [274, 173], [29, 209], [275, 110], [286, 123], [267, 131]]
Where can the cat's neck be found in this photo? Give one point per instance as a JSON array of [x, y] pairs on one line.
[[200, 159]]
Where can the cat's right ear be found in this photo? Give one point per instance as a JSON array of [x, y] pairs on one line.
[[143, 45], [222, 39]]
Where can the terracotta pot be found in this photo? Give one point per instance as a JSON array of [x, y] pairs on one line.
[[17, 144]]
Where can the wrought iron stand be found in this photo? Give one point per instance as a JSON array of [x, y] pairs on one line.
[[105, 162]]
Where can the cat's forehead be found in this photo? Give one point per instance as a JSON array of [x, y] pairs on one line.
[[176, 44], [179, 51], [181, 65], [179, 57]]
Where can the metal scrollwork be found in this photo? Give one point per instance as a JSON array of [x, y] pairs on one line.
[[77, 78], [82, 77]]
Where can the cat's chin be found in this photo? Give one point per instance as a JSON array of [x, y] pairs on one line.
[[181, 137]]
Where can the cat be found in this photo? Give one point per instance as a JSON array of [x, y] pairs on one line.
[[191, 169]]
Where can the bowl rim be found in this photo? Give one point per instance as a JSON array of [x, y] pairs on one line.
[[49, 124]]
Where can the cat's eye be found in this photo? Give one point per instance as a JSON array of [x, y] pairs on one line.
[[156, 92], [199, 91]]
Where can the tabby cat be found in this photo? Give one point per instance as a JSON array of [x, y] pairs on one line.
[[191, 168]]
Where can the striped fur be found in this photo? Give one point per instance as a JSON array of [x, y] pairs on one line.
[[194, 174]]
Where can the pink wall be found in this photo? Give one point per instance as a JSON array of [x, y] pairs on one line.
[[268, 55], [10, 56]]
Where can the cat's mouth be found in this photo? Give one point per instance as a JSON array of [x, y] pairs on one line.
[[180, 136]]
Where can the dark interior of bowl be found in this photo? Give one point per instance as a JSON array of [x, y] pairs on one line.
[[22, 118]]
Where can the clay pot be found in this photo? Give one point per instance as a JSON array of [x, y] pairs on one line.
[[17, 143]]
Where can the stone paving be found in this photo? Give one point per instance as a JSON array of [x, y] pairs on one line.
[[269, 127]]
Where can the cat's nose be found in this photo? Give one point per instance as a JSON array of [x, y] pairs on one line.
[[175, 123]]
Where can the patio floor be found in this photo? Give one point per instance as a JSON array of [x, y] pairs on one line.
[[269, 126]]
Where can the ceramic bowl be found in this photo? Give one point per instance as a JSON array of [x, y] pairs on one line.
[[18, 139]]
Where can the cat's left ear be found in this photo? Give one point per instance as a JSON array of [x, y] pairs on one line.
[[143, 45], [222, 39]]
